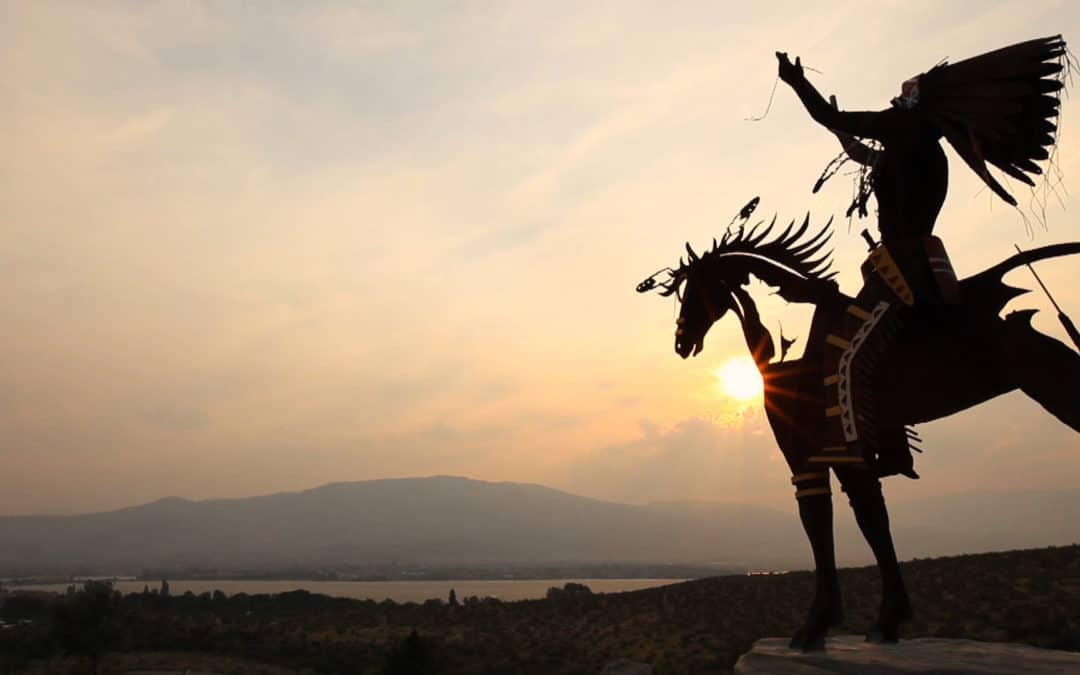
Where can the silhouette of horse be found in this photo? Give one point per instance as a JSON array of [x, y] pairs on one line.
[[945, 358]]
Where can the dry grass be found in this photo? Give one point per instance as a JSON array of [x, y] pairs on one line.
[[697, 627]]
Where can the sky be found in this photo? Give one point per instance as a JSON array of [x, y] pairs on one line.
[[255, 247]]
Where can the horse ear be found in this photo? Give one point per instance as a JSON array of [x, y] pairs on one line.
[[714, 244], [690, 252]]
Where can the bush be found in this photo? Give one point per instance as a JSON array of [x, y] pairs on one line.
[[415, 655], [569, 590]]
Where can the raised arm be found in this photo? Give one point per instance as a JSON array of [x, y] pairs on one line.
[[855, 149], [866, 124]]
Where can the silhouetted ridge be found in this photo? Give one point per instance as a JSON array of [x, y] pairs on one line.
[[454, 520]]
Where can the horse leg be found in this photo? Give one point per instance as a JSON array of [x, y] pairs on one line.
[[816, 514], [864, 494], [1043, 368]]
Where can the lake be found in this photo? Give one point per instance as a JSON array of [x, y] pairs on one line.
[[398, 591]]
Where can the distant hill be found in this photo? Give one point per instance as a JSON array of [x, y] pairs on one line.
[[986, 521], [452, 520], [438, 520]]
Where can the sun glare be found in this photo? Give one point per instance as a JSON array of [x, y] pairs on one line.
[[739, 378]]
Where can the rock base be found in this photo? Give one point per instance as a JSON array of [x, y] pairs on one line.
[[626, 667], [851, 655]]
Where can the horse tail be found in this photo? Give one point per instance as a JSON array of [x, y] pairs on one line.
[[1033, 255], [988, 291]]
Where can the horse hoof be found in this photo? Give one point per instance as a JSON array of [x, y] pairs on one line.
[[880, 635], [824, 614], [892, 615], [805, 643]]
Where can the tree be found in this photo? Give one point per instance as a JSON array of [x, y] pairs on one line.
[[569, 590], [24, 606], [415, 655], [453, 599], [82, 621], [576, 590], [164, 588]]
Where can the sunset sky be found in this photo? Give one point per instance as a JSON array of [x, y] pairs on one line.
[[255, 247]]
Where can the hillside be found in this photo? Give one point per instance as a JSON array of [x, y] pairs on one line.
[[440, 519], [451, 520], [697, 627]]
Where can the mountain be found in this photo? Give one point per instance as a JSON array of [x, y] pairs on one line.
[[430, 520], [986, 521], [448, 520]]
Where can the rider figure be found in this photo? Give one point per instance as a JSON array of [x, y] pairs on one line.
[[909, 177], [999, 108]]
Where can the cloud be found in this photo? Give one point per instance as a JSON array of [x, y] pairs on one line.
[[694, 459], [302, 244], [1009, 443]]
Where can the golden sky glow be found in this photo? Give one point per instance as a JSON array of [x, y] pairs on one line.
[[247, 248]]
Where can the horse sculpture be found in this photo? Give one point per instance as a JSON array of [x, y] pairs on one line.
[[942, 359]]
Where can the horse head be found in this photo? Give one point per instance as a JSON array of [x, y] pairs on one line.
[[705, 295], [706, 285]]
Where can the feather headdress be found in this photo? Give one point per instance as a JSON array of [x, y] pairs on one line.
[[1000, 107]]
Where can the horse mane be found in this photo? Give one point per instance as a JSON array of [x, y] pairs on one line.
[[789, 249], [792, 249]]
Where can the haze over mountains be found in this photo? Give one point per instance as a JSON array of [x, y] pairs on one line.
[[448, 520]]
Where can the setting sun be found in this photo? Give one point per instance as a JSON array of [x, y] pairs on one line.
[[739, 378]]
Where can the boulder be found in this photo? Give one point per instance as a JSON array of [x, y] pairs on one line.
[[851, 655]]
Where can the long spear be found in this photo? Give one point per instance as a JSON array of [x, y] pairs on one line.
[[1065, 320]]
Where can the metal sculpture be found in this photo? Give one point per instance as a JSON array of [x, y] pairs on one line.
[[941, 361], [915, 344]]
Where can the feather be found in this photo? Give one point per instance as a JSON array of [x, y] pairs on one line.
[[965, 147], [999, 108], [1014, 172]]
